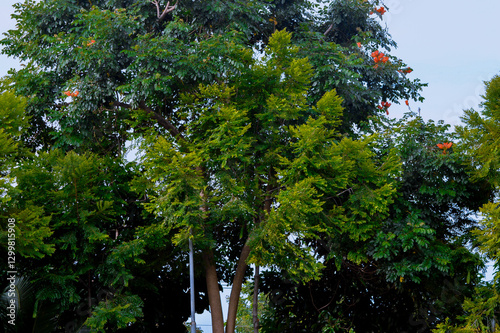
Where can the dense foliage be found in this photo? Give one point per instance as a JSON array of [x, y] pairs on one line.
[[259, 132], [481, 139], [418, 267]]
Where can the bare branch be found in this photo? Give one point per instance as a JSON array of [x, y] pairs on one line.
[[328, 30], [167, 9], [157, 8]]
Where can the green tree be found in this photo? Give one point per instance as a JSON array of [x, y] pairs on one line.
[[481, 134], [87, 261], [418, 266], [480, 137], [256, 157], [121, 57], [76, 222], [13, 124], [102, 72]]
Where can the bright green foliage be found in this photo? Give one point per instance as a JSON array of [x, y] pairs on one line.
[[32, 232], [93, 233], [245, 151], [81, 239], [119, 312], [70, 204], [412, 269], [481, 140], [32, 226], [481, 134], [488, 235], [480, 310], [13, 124], [243, 109]]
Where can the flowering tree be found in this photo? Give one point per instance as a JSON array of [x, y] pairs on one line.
[[418, 266], [246, 112], [481, 139]]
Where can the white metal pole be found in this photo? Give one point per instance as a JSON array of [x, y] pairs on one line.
[[191, 285]]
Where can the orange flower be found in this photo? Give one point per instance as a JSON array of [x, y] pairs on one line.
[[405, 70], [407, 103], [359, 44], [379, 57], [381, 10], [91, 42], [444, 146], [71, 94], [384, 105]]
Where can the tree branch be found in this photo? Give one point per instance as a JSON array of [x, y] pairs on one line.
[[159, 118], [167, 9], [213, 291], [234, 298], [328, 30]]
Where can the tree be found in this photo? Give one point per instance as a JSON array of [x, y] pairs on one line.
[[481, 134], [418, 266], [480, 137], [88, 256], [100, 73], [257, 158], [119, 56], [80, 235], [14, 124]]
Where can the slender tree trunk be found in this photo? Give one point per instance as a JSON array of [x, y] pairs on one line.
[[240, 273], [234, 298], [211, 277], [255, 307], [213, 292], [89, 292]]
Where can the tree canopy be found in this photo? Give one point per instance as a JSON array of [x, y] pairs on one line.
[[481, 134], [259, 132]]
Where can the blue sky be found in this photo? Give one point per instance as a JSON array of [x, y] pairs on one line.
[[452, 45]]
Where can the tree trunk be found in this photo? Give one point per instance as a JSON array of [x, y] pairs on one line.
[[89, 291], [236, 289], [213, 292], [255, 307]]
